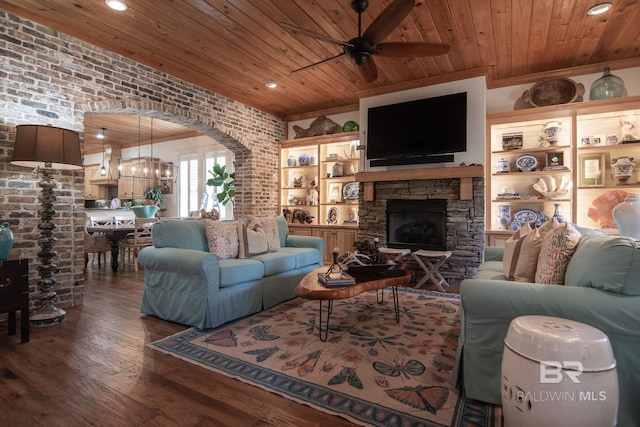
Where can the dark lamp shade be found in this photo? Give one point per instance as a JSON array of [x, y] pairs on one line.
[[38, 145]]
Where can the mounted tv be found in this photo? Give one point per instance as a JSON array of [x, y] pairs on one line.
[[421, 131]]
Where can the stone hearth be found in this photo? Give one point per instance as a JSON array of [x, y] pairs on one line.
[[464, 223]]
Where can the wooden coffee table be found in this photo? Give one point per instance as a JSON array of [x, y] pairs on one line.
[[311, 288]]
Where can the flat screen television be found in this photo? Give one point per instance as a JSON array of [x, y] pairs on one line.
[[418, 129]]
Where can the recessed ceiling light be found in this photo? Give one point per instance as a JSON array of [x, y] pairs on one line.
[[118, 5], [599, 9], [271, 85]]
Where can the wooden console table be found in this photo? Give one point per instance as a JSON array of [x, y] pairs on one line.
[[14, 294]]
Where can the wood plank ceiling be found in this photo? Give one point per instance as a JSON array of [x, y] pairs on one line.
[[234, 47]]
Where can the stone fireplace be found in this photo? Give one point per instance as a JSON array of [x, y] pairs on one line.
[[395, 204], [417, 224]]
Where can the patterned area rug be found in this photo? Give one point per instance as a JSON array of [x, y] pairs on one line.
[[371, 370]]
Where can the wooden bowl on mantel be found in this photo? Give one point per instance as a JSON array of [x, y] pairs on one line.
[[553, 91]]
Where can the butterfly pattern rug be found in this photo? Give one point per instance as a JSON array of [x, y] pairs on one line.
[[371, 370]]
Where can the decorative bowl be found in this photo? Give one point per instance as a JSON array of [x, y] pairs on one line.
[[553, 91], [145, 211]]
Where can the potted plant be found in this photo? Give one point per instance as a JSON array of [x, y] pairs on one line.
[[154, 193], [226, 183]]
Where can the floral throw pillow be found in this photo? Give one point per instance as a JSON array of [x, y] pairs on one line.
[[222, 238], [556, 251], [270, 227]]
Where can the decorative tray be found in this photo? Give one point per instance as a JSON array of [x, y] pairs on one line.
[[525, 215], [359, 270], [526, 162], [350, 190]]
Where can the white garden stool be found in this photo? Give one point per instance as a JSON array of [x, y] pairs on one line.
[[557, 372], [430, 262]]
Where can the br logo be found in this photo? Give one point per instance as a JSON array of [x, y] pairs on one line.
[[553, 372]]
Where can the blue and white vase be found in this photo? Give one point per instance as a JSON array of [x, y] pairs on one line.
[[504, 216], [6, 241], [557, 213]]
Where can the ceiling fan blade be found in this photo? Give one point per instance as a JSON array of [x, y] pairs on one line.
[[315, 64], [313, 34], [388, 20], [411, 49], [369, 70]]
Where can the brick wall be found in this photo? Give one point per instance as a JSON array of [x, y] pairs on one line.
[[465, 220], [47, 77]]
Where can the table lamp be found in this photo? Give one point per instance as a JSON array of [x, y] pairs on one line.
[[46, 148]]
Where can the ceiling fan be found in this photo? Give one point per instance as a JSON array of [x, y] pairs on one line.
[[360, 49]]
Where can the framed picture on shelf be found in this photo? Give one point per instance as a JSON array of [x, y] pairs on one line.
[[512, 141], [598, 139], [335, 193], [555, 159], [592, 170]]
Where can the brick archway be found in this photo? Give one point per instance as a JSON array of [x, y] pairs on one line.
[[204, 125]]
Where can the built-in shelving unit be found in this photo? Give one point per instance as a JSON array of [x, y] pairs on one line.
[[590, 141], [317, 181]]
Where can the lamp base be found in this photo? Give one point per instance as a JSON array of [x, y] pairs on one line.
[[47, 316]]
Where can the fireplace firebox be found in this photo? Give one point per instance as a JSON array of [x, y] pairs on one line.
[[417, 224]]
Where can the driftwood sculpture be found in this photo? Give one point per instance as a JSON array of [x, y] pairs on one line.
[[320, 126]]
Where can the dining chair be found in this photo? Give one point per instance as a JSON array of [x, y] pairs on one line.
[[101, 220], [124, 220], [138, 239], [95, 244]]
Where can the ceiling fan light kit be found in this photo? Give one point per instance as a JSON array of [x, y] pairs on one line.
[[362, 48]]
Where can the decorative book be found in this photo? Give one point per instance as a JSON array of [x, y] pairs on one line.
[[336, 280]]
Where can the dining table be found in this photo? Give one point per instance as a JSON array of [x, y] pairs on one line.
[[115, 233]]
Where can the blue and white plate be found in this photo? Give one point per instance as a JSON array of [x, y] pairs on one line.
[[525, 215], [526, 162], [350, 190]]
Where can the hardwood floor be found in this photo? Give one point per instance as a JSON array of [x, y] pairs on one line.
[[95, 369]]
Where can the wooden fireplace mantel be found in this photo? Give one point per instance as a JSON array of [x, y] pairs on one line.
[[465, 173]]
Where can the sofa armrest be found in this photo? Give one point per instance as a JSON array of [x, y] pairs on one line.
[[487, 308], [493, 253]]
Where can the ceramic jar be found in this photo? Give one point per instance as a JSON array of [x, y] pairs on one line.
[[501, 166], [627, 216], [607, 86], [313, 159], [622, 168], [303, 160], [337, 170], [552, 132], [291, 161], [6, 241]]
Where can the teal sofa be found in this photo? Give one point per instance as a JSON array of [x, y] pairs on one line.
[[601, 289], [186, 284]]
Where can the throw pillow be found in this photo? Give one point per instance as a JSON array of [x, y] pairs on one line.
[[252, 240], [512, 250], [555, 254], [270, 227], [222, 238], [525, 270]]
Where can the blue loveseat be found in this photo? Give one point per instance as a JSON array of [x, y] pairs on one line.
[[601, 289], [185, 283]]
